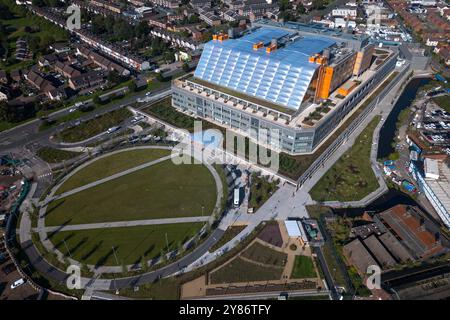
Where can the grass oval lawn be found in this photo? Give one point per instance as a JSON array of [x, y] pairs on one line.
[[110, 165], [94, 246], [163, 190]]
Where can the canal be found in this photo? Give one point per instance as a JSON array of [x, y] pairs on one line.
[[387, 131], [384, 202]]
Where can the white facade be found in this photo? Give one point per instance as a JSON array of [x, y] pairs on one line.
[[344, 12], [427, 3], [341, 23], [437, 191], [3, 97], [295, 229], [431, 168], [432, 42]]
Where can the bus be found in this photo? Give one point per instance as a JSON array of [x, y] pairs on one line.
[[236, 197]]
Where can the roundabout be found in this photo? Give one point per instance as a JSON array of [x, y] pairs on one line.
[[127, 208]]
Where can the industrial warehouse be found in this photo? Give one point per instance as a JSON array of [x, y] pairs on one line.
[[301, 80]]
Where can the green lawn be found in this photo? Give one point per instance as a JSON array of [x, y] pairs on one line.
[[240, 270], [351, 178], [443, 102], [303, 268], [130, 243], [164, 190], [263, 254], [15, 27], [110, 165], [94, 126], [295, 166], [164, 111], [52, 155]]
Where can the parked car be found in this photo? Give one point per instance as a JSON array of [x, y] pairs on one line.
[[113, 129], [8, 268], [17, 283]]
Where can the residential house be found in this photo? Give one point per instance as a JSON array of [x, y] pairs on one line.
[[87, 80], [3, 77], [66, 70], [47, 60], [39, 82], [60, 47]]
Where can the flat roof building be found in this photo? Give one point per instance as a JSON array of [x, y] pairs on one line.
[[431, 167], [357, 255], [380, 253], [415, 232], [275, 77], [434, 182]]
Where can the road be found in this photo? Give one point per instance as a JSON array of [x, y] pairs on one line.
[[28, 133], [59, 276], [326, 272], [267, 295]]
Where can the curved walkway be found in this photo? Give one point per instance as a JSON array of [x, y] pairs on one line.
[[42, 229]]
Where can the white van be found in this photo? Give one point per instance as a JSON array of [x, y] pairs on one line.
[[17, 283], [236, 197]]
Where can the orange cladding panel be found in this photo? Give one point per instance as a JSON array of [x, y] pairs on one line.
[[325, 84]]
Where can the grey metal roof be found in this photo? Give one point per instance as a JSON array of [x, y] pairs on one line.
[[281, 77]]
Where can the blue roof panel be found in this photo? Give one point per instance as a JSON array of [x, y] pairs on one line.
[[281, 77]]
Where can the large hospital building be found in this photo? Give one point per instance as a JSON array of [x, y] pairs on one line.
[[301, 79]]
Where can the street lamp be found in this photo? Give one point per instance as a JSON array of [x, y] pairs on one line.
[[67, 248], [117, 261], [167, 243]]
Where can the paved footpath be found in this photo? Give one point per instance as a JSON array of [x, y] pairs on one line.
[[118, 224]]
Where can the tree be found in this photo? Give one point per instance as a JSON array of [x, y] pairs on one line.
[[113, 77], [162, 255], [284, 5], [33, 41], [97, 100], [180, 247], [142, 29], [46, 41], [3, 111], [144, 264], [301, 9], [318, 4], [124, 267], [186, 67], [169, 56], [160, 77], [132, 86], [38, 3]]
